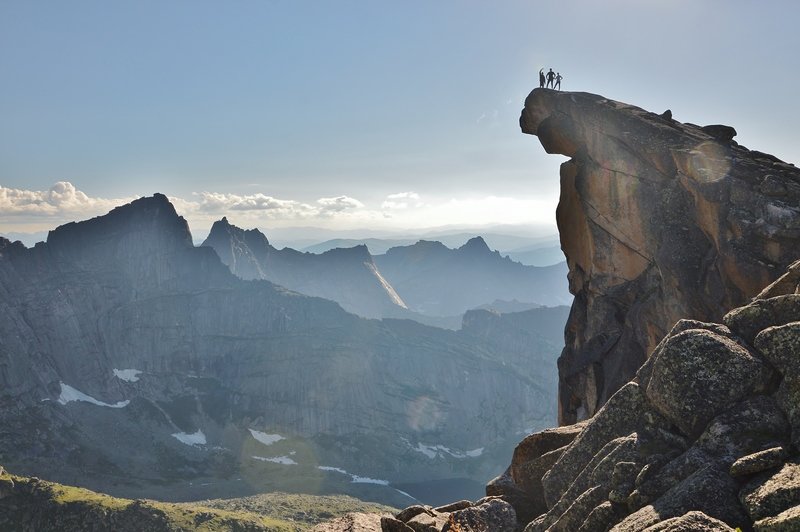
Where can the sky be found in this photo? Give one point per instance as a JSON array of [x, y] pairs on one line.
[[355, 114]]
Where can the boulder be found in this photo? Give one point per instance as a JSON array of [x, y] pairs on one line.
[[708, 490], [492, 514], [781, 345], [625, 413], [749, 320], [526, 505], [720, 132], [690, 522], [603, 517], [770, 494], [722, 372], [758, 462], [789, 282], [786, 521]]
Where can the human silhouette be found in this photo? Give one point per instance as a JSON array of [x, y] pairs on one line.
[[550, 77], [559, 77], [541, 78]]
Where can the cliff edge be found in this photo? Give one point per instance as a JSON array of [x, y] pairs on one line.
[[659, 220]]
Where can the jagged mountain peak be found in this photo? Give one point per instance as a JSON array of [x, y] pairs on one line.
[[475, 245], [223, 227], [144, 225]]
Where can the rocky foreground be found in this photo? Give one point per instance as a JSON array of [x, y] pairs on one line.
[[705, 437]]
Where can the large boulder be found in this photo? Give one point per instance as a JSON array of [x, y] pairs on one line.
[[770, 494], [722, 372]]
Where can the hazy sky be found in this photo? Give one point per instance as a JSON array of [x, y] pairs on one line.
[[363, 113]]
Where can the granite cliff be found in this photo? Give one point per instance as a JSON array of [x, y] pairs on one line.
[[659, 220], [135, 363]]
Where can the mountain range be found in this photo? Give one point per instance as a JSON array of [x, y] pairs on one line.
[[423, 281], [133, 362]]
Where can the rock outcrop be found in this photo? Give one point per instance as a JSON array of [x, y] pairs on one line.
[[348, 276], [135, 363], [659, 220], [704, 437]]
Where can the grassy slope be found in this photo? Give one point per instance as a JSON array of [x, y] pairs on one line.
[[298, 508], [33, 504]]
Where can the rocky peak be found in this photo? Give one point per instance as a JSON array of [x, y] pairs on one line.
[[476, 245], [146, 225], [358, 253], [224, 229], [659, 220]]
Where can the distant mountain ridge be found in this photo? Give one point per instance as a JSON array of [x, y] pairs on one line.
[[436, 280], [348, 276], [531, 251], [441, 282]]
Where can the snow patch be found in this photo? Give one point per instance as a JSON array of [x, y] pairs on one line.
[[198, 438], [127, 375], [355, 478], [336, 469], [70, 394], [439, 451], [367, 480], [285, 460], [266, 439]]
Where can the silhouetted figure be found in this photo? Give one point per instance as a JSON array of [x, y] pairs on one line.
[[559, 77], [551, 76], [541, 78]]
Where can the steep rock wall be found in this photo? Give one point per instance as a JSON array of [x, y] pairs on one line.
[[659, 221]]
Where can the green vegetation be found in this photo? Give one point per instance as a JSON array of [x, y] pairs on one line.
[[304, 510], [30, 503]]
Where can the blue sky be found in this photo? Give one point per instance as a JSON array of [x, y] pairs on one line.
[[346, 114]]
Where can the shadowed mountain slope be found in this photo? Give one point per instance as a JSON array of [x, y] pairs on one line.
[[348, 275], [133, 362]]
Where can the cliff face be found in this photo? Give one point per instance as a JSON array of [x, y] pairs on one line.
[[659, 221]]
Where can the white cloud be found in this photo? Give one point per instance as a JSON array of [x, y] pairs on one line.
[[215, 202], [401, 200], [61, 198], [338, 204], [38, 210]]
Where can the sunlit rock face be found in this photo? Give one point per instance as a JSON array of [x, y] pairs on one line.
[[659, 220]]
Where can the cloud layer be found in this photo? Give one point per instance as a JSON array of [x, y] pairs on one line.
[[61, 199], [34, 210]]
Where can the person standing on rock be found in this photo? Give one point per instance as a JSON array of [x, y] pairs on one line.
[[559, 77], [541, 78], [550, 77]]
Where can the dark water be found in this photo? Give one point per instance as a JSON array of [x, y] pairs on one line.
[[439, 492]]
